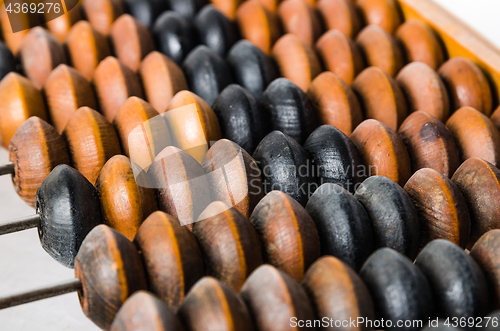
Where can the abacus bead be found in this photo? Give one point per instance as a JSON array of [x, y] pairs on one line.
[[335, 102], [420, 43], [92, 141], [424, 90], [337, 292], [479, 182], [429, 143], [207, 73], [344, 227], [298, 18], [7, 61], [442, 209], [20, 100], [234, 176], [102, 13], [230, 246], [212, 305], [60, 26], [282, 157], [110, 269], [35, 150], [172, 258], [274, 299], [340, 15], [227, 7], [186, 8], [458, 284], [40, 52], [288, 235], [399, 289], [66, 90], [390, 207], [131, 40], [144, 311], [145, 11], [384, 13], [215, 30], [12, 39], [296, 60], [114, 84], [380, 49], [270, 5], [69, 208], [340, 55], [381, 97], [475, 135]]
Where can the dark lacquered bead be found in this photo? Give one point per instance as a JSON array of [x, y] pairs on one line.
[[344, 227], [207, 73], [174, 36], [186, 8], [215, 30], [7, 61], [289, 109], [69, 208], [284, 166], [145, 11], [251, 67], [399, 289]]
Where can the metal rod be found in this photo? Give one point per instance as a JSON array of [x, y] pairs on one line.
[[20, 224], [68, 286], [7, 169]]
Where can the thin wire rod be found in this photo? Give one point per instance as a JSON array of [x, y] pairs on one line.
[[7, 169], [20, 224]]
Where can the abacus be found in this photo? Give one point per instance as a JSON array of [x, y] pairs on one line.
[[259, 164]]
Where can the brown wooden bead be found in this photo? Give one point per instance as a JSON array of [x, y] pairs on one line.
[[382, 150], [66, 90], [335, 103], [211, 305], [20, 100], [486, 252], [161, 78], [184, 120], [143, 311], [495, 118], [289, 237], [475, 135], [270, 5], [467, 85], [381, 97], [424, 90], [14, 40], [296, 60], [92, 141], [380, 49], [479, 182], [258, 25], [60, 26], [131, 40], [40, 52], [299, 19], [234, 176], [420, 43], [227, 7], [86, 48], [171, 256], [274, 300], [35, 150], [429, 143], [230, 246], [182, 188], [340, 55], [114, 84], [442, 209], [102, 13], [340, 15], [384, 13], [110, 269], [337, 292], [125, 204]]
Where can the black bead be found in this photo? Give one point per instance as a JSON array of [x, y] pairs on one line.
[[399, 289], [174, 36], [457, 282], [284, 166], [69, 208], [251, 67], [7, 61], [289, 109], [240, 117], [335, 157], [215, 30], [207, 73], [343, 225], [185, 8], [145, 11], [393, 215]]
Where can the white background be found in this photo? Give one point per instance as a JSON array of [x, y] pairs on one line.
[[24, 264]]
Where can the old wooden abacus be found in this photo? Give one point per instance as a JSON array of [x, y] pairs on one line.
[[438, 164]]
